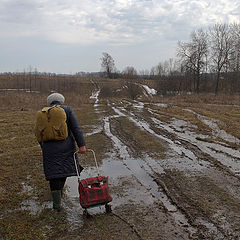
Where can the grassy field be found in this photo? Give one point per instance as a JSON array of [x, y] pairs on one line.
[[22, 182]]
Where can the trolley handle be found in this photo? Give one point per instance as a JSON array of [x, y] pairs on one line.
[[94, 156]]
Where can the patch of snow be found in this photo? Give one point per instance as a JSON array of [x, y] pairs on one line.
[[119, 113], [149, 90], [19, 89], [139, 105], [14, 89], [164, 105], [32, 91], [96, 130], [95, 95]]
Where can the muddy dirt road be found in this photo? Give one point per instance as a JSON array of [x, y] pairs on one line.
[[170, 177]]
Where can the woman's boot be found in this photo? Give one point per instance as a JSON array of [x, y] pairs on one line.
[[56, 197]]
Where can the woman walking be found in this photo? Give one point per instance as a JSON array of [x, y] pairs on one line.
[[58, 162]]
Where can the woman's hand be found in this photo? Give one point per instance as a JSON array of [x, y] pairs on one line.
[[82, 149]]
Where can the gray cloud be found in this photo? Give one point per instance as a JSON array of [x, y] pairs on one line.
[[93, 21], [20, 12], [111, 23]]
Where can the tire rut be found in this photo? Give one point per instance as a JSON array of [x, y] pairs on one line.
[[174, 192]]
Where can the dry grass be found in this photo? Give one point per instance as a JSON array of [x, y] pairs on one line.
[[167, 114], [199, 99], [228, 117], [29, 101], [21, 167], [201, 192], [225, 109], [21, 161], [141, 140]]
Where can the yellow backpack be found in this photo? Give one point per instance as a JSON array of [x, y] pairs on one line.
[[51, 124]]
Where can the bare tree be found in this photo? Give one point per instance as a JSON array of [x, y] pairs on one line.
[[159, 70], [235, 54], [130, 73], [146, 74], [151, 73], [108, 64], [193, 55], [30, 78], [165, 68], [221, 50]]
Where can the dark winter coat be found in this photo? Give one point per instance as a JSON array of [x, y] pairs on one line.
[[58, 158]]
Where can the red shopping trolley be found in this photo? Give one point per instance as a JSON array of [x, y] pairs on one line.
[[93, 191]]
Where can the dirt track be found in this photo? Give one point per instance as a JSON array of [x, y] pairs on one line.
[[166, 179]]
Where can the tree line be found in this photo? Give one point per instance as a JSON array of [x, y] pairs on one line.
[[34, 81], [208, 62]]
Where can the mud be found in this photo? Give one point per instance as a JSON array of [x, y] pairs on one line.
[[190, 192]]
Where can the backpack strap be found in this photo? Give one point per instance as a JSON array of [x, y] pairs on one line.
[[46, 109]]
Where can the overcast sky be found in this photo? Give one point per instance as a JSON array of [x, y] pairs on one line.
[[68, 36]]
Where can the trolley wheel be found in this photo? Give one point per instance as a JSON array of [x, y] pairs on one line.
[[108, 208], [86, 213]]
